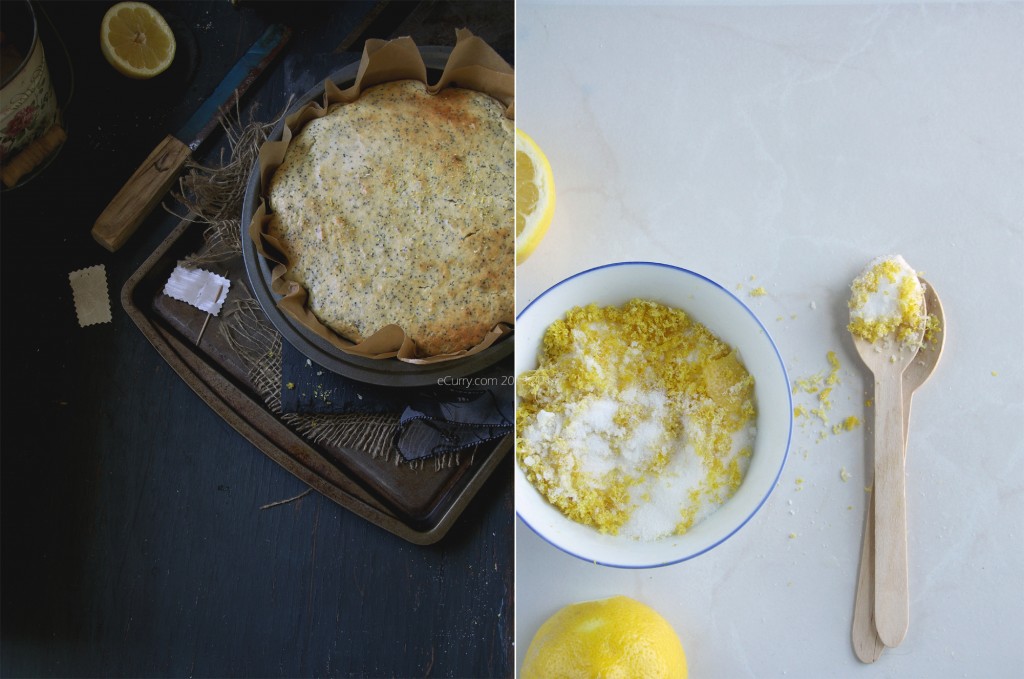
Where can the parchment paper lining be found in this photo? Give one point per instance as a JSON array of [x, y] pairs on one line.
[[473, 64]]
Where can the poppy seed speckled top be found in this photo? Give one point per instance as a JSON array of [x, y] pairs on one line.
[[399, 208]]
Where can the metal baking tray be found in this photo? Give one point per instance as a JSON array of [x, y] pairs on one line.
[[417, 505]]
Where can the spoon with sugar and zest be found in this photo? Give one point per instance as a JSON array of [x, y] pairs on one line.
[[887, 359], [866, 643]]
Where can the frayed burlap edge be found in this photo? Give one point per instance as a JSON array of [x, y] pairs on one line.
[[214, 196]]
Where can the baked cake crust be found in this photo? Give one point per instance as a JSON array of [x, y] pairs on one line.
[[399, 208]]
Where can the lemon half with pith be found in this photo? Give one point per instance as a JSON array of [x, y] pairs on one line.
[[535, 195], [136, 40]]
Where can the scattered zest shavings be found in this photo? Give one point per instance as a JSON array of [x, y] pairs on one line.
[[849, 424], [820, 386]]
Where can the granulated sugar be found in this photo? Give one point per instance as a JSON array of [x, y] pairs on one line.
[[638, 421], [887, 298]]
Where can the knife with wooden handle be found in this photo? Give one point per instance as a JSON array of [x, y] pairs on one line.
[[153, 179]]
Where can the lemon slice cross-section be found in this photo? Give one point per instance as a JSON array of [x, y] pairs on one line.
[[535, 195], [136, 40]]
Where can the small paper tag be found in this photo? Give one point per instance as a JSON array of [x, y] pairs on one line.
[[200, 288], [92, 301]]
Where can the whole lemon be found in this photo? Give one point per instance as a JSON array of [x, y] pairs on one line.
[[614, 638]]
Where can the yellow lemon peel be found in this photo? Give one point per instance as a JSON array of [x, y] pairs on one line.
[[617, 637], [136, 40], [535, 195]]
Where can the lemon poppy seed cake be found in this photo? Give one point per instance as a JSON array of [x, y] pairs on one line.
[[399, 208]]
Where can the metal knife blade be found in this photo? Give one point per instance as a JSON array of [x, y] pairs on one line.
[[233, 86], [151, 181]]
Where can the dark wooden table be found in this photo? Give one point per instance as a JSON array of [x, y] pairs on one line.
[[135, 542]]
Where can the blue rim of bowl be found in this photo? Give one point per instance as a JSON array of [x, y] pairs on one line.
[[789, 432]]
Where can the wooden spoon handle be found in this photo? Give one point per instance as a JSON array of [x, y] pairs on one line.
[[866, 644], [892, 602]]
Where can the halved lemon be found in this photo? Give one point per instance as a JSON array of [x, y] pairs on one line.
[[612, 638], [136, 40], [535, 195]]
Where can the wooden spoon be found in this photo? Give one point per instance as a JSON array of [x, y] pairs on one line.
[[866, 643], [887, 359]]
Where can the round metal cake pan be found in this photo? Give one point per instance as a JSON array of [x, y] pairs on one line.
[[388, 371]]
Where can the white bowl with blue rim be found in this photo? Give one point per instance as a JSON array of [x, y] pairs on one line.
[[731, 321]]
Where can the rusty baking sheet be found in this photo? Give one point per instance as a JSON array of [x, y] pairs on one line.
[[419, 506]]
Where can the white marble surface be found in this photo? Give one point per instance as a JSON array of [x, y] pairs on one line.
[[792, 145]]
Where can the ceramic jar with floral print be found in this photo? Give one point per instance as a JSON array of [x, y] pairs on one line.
[[28, 105]]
